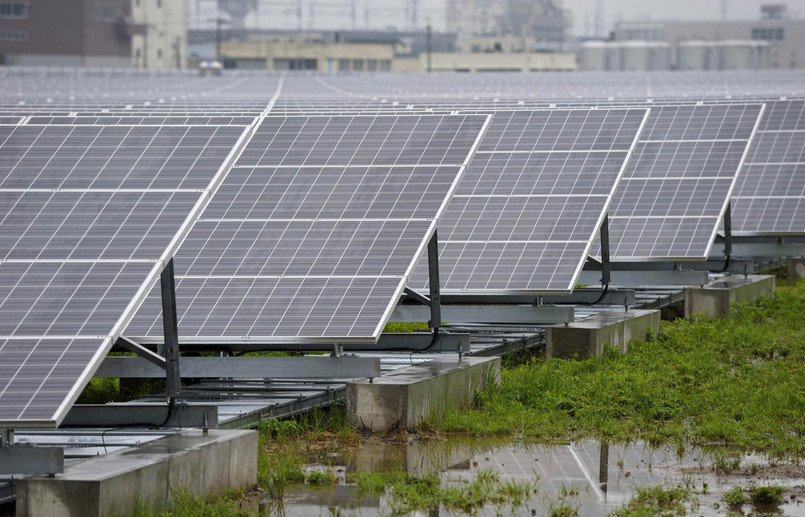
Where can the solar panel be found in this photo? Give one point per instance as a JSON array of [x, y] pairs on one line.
[[151, 120], [114, 157], [88, 215], [769, 197], [524, 216], [677, 185], [312, 237]]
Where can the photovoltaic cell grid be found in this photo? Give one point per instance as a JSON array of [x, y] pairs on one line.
[[769, 197], [678, 183], [314, 233], [524, 216], [143, 120], [86, 215]]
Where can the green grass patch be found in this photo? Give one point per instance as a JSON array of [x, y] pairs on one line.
[[738, 382], [735, 498], [410, 493], [185, 504], [400, 327], [771, 495], [658, 501]]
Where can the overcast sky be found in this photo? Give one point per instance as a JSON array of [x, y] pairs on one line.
[[335, 14]]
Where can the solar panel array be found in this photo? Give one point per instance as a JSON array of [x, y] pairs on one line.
[[86, 216], [316, 230], [770, 195], [314, 233]]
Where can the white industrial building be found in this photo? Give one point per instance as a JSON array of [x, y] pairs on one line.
[[769, 43]]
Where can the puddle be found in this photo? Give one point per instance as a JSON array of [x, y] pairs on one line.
[[599, 477]]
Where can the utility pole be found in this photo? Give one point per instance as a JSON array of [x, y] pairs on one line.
[[725, 6], [299, 14], [353, 13], [599, 19], [178, 52], [218, 36], [427, 47], [218, 23]]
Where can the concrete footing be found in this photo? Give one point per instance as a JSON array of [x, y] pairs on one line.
[[587, 337], [144, 476], [796, 268], [714, 299], [409, 396]]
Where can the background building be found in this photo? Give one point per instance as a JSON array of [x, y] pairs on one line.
[[784, 37], [117, 33], [542, 21]]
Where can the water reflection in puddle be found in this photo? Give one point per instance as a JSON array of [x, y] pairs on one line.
[[598, 477]]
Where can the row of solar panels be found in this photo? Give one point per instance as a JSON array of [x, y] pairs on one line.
[[307, 227], [81, 88]]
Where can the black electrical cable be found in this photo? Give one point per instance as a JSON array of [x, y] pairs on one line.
[[603, 293], [726, 264], [171, 407]]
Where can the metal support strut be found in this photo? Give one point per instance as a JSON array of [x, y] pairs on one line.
[[170, 348], [728, 230], [6, 437], [606, 267], [433, 281]]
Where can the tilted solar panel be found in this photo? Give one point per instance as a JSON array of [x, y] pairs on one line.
[[769, 197], [678, 183], [312, 237], [532, 200], [88, 217]]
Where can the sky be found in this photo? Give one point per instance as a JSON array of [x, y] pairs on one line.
[[382, 14]]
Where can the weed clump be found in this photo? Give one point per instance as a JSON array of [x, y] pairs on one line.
[[658, 501], [771, 495], [735, 498]]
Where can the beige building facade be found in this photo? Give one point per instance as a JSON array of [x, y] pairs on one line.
[[161, 41], [326, 57], [318, 56]]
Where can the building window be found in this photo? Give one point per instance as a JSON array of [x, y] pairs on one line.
[[371, 65], [343, 65], [385, 65], [357, 65], [295, 64], [13, 10], [777, 34], [13, 35]]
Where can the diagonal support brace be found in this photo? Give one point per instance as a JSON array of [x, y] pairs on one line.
[[141, 351]]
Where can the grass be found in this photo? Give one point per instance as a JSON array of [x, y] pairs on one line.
[[735, 498], [399, 327], [738, 382], [657, 500], [185, 504], [771, 495], [409, 493]]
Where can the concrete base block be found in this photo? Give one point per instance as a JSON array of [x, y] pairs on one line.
[[587, 337], [796, 268], [409, 396], [713, 300], [116, 483]]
